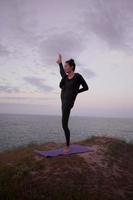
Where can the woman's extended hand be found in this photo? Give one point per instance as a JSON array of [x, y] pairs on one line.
[[59, 59]]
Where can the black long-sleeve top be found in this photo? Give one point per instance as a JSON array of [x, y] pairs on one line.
[[70, 87]]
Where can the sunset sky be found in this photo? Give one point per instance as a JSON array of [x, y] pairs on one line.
[[97, 34]]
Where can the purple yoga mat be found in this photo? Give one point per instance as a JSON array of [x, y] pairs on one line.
[[74, 148]]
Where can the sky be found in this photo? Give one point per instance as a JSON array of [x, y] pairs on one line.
[[97, 34]]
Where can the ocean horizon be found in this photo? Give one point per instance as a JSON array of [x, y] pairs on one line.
[[23, 129]]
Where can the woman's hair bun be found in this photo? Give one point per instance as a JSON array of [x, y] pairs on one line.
[[72, 60]]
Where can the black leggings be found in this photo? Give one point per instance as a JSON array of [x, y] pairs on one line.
[[65, 118]]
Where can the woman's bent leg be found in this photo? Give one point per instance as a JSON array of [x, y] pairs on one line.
[[65, 117]]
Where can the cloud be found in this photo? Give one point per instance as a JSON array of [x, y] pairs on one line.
[[4, 51], [85, 70], [88, 73], [34, 21], [26, 98], [68, 43], [8, 89], [109, 20], [38, 82]]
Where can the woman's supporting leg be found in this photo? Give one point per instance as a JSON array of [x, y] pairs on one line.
[[65, 117]]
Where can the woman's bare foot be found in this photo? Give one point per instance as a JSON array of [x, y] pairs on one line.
[[66, 149]]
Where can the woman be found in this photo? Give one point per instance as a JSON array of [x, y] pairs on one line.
[[69, 85]]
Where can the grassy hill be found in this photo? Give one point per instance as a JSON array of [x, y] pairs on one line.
[[105, 174]]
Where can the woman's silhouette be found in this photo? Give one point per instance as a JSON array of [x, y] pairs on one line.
[[69, 85]]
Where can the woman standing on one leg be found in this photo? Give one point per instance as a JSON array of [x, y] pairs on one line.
[[69, 85]]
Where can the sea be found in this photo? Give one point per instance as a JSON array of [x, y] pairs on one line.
[[21, 129]]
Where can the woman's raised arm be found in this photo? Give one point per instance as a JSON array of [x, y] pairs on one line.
[[59, 62]]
